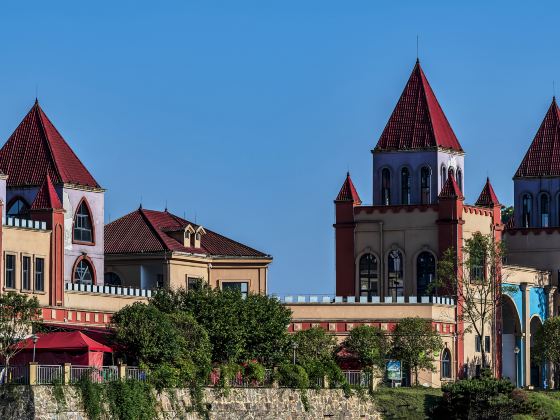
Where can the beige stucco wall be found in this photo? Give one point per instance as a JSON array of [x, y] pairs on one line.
[[98, 301], [411, 232], [476, 223], [28, 242]]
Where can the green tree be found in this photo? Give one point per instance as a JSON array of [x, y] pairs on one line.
[[507, 213], [476, 282], [314, 344], [239, 329], [547, 342], [416, 344], [18, 313], [369, 344]]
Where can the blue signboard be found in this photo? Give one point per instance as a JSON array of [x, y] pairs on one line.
[[394, 372]]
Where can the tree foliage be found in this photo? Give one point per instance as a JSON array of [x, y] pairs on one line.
[[314, 344], [475, 281], [239, 329], [416, 344], [18, 313], [369, 344], [547, 342]]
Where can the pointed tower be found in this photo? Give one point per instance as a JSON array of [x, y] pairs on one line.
[[416, 149], [537, 179], [48, 208], [344, 203], [36, 151]]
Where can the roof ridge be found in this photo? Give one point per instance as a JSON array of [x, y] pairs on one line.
[[37, 109], [154, 229]]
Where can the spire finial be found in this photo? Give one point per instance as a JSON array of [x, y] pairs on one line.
[[417, 54], [553, 91], [165, 206]]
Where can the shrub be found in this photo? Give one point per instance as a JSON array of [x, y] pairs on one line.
[[255, 372], [295, 376], [484, 398]]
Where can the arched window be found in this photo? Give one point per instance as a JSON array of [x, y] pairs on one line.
[[425, 182], [446, 364], [425, 272], [395, 272], [405, 186], [112, 279], [526, 203], [385, 187], [545, 210], [18, 208], [83, 231], [451, 172], [369, 278], [83, 273], [443, 175], [460, 179]]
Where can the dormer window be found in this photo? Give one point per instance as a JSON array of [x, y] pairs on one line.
[[83, 227], [188, 236], [198, 237]]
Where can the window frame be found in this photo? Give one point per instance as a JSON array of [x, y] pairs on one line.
[[13, 201], [85, 202], [406, 190], [426, 187], [487, 344], [91, 265], [372, 276], [445, 369], [36, 274], [459, 178], [13, 257], [420, 254], [29, 259], [396, 290], [544, 223], [244, 294], [385, 186], [477, 344], [526, 211]]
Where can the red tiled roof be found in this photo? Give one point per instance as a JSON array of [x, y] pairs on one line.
[[450, 188], [487, 197], [146, 231], [46, 198], [418, 122], [543, 156], [36, 149], [348, 191]]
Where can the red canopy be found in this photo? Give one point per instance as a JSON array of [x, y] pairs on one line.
[[65, 341]]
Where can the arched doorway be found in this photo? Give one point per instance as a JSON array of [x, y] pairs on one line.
[[511, 342], [536, 368]]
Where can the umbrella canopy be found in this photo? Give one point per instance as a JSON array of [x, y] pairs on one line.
[[64, 341]]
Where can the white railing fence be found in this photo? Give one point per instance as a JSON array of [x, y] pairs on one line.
[[357, 377], [135, 373], [108, 290], [49, 374]]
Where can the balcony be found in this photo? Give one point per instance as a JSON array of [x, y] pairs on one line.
[[362, 300], [24, 223], [108, 290]]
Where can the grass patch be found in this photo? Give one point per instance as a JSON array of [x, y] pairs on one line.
[[406, 403]]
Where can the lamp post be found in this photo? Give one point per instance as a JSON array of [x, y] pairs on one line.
[[294, 348], [516, 351], [34, 338]]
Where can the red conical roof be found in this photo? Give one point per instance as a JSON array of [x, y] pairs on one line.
[[36, 149], [543, 156], [46, 198], [348, 191], [418, 122], [487, 197], [451, 188]]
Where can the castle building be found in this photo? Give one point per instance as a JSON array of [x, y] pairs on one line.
[[54, 242]]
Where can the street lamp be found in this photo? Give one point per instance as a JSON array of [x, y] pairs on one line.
[[34, 338], [295, 345], [516, 350]]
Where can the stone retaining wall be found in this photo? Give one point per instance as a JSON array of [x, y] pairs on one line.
[[39, 402]]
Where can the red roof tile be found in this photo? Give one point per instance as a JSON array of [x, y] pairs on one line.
[[487, 197], [36, 149], [543, 156], [348, 191], [418, 122], [46, 198], [147, 231], [450, 188]]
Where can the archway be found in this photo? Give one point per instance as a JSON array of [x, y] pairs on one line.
[[536, 368], [511, 343]]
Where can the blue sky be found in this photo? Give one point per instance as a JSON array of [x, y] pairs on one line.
[[246, 115]]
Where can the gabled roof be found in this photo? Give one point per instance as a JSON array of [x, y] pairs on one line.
[[451, 188], [487, 197], [543, 156], [418, 122], [348, 191], [143, 231], [36, 149], [46, 198]]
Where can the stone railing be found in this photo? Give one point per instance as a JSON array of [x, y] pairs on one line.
[[107, 290], [329, 299], [24, 223]]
